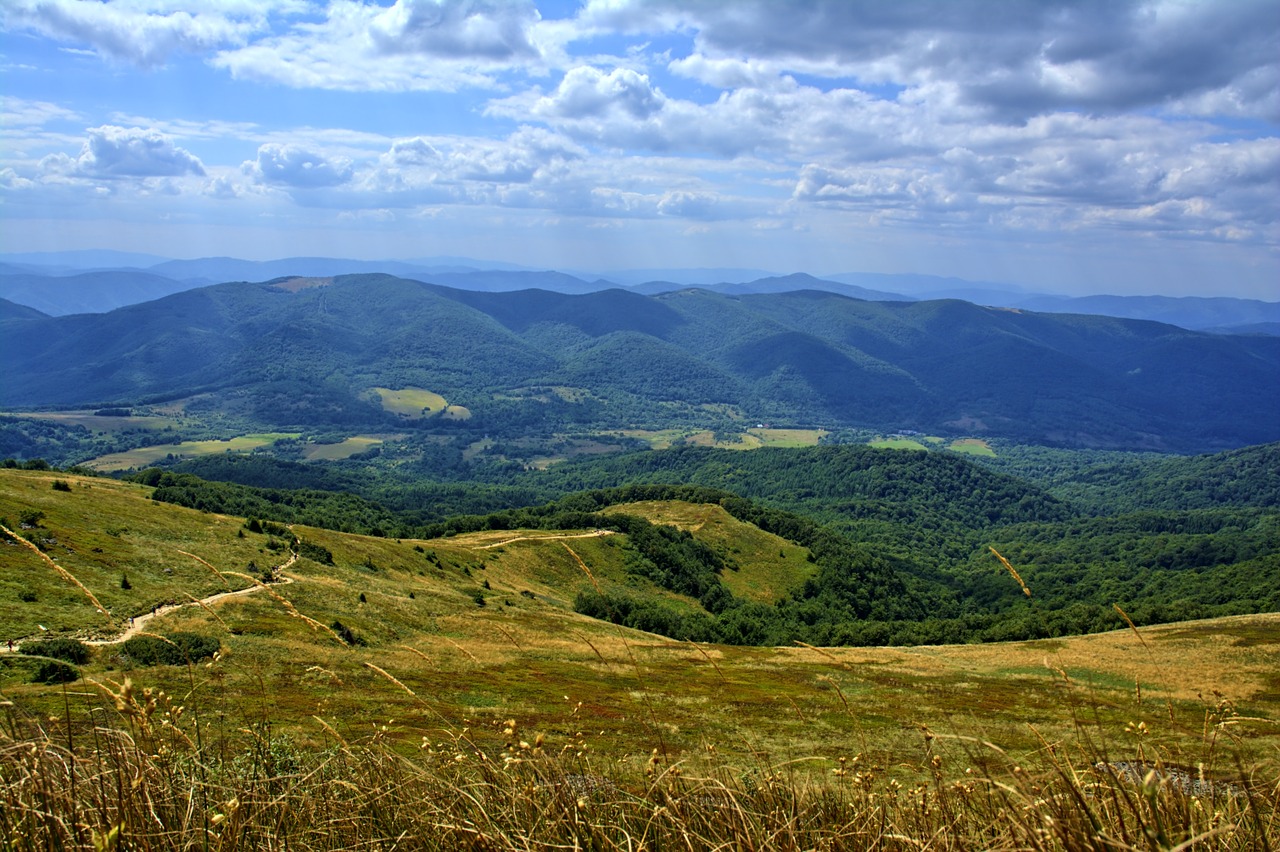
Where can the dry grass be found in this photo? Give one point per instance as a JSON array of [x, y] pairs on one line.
[[522, 725], [129, 767]]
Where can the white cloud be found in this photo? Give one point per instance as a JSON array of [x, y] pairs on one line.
[[140, 33], [441, 45], [297, 168], [18, 112], [587, 92], [456, 29], [125, 152], [1011, 59]]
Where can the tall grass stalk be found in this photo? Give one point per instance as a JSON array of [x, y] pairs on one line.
[[127, 773]]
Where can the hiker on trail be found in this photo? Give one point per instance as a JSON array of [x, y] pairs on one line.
[[11, 645]]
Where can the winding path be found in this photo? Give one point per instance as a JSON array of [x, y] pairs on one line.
[[138, 623], [504, 542]]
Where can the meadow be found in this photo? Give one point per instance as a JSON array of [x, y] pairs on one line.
[[463, 704], [144, 456]]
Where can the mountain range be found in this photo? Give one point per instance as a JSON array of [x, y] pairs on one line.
[[98, 281], [308, 351]]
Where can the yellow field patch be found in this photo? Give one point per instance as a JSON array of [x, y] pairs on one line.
[[95, 423], [972, 446], [411, 402], [144, 456], [343, 449], [789, 437], [898, 444]]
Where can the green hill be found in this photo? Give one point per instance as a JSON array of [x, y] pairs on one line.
[[306, 352]]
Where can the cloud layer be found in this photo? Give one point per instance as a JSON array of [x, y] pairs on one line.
[[1019, 121]]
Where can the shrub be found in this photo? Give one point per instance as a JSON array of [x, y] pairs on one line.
[[54, 671], [70, 650], [315, 553], [27, 596], [61, 485], [176, 649], [346, 634]]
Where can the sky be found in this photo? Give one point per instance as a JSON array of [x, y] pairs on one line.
[[1098, 146]]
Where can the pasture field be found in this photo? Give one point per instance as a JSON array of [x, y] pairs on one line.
[[472, 672], [97, 423], [972, 446], [749, 439], [413, 403], [897, 444], [143, 456], [344, 449]]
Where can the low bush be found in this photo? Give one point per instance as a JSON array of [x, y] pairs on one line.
[[69, 650], [176, 649]]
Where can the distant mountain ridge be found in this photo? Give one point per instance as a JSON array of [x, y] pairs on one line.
[[60, 283], [310, 357]]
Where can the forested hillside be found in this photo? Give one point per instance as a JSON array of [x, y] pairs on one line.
[[307, 353], [902, 541]]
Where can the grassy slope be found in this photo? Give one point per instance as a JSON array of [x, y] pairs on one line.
[[526, 656]]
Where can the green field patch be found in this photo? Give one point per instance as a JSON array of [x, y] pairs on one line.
[[788, 437], [456, 412], [413, 403], [898, 443], [344, 449], [657, 439], [98, 423], [143, 456], [972, 447]]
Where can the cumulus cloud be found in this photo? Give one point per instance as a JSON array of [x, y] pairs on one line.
[[296, 168], [441, 45], [587, 92], [1012, 59], [456, 29], [125, 152], [688, 205], [141, 33]]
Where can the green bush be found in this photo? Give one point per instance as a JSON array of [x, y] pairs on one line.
[[54, 671], [346, 634], [70, 650], [315, 553], [176, 649]]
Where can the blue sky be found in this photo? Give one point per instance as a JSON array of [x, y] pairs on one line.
[[1078, 147]]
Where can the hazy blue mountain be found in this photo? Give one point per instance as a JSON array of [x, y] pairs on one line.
[[84, 259], [507, 280], [223, 269], [87, 292], [14, 311], [1194, 312], [926, 286], [699, 277], [1271, 329]]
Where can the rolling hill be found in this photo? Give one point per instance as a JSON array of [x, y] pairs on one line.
[[306, 351]]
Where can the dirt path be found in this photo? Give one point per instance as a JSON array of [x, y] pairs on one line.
[[594, 534], [138, 623]]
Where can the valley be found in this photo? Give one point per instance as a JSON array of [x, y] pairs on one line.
[[903, 555]]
